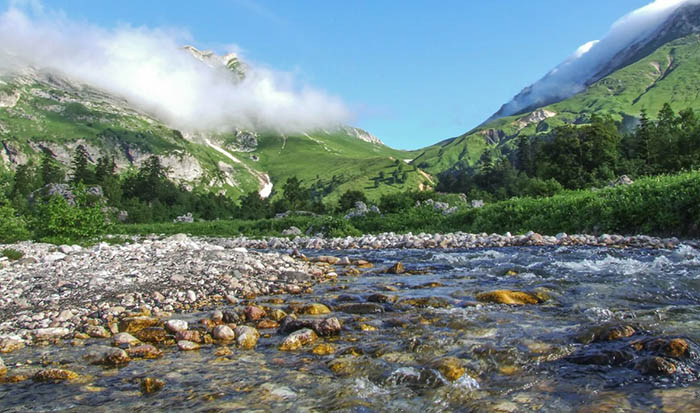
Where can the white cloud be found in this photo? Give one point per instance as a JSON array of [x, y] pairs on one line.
[[149, 67], [571, 76]]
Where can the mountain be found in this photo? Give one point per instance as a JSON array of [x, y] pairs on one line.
[[47, 109], [661, 66]]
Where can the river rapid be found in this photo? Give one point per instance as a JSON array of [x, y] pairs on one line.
[[613, 330]]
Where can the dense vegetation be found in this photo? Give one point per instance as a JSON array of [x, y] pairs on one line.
[[541, 185], [583, 156]]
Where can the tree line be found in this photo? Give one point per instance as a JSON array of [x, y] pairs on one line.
[[582, 156]]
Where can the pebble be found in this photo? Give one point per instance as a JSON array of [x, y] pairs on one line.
[[247, 337], [223, 333], [55, 375], [298, 339], [175, 326], [50, 333], [125, 339], [185, 345]]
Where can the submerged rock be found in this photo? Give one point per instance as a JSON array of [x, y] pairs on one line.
[[247, 337], [450, 367], [108, 356], [655, 366], [185, 345], [151, 385], [134, 324], [145, 351], [10, 344], [315, 309], [361, 308], [508, 297], [3, 369], [298, 339], [152, 335], [124, 339], [55, 375]]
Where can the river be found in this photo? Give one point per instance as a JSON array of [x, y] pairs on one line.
[[425, 343]]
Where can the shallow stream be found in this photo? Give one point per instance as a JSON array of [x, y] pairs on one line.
[[442, 351]]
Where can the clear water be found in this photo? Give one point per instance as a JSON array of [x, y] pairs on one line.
[[517, 357]]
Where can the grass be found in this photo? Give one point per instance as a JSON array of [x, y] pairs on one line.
[[664, 205], [12, 254]]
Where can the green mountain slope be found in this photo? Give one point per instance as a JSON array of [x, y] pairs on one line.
[[670, 74], [43, 110]]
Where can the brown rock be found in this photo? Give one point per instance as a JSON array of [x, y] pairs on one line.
[[189, 335], [315, 309], [55, 375], [254, 313], [97, 332], [151, 385], [145, 351], [655, 366], [396, 269], [298, 339], [134, 324], [450, 367], [8, 344], [323, 349], [224, 333], [185, 345], [266, 324], [507, 297], [327, 327], [152, 335], [247, 337]]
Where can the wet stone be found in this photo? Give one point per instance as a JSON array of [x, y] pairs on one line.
[[55, 375], [507, 297], [3, 369], [382, 298], [108, 356], [10, 344], [277, 314], [267, 324], [151, 385], [424, 302], [145, 351], [189, 335], [97, 332], [247, 337], [230, 317], [124, 339], [323, 349], [254, 313], [134, 324], [185, 345], [298, 339], [396, 269], [450, 367], [315, 309], [152, 335], [327, 327], [175, 326], [361, 308], [655, 366], [224, 333]]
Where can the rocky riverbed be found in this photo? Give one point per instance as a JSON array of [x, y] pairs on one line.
[[210, 325], [51, 292], [453, 241]]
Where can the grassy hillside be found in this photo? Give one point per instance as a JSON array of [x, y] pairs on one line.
[[669, 74], [40, 111]]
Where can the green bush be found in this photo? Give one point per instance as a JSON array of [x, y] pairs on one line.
[[13, 228], [58, 221], [12, 254]]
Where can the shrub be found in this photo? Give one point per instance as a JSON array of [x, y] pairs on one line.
[[12, 254], [12, 227], [57, 220]]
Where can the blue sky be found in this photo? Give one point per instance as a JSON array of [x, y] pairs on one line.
[[412, 72]]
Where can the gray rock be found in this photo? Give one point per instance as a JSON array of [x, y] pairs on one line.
[[175, 326]]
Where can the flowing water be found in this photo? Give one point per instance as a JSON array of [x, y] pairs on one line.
[[541, 357]]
